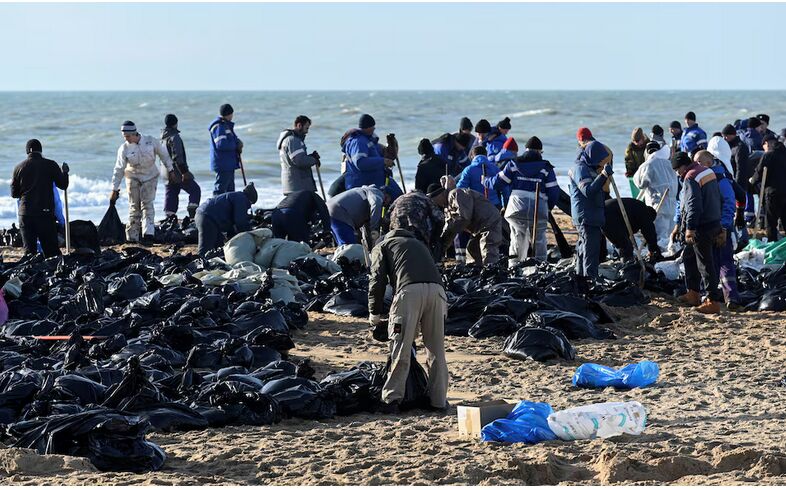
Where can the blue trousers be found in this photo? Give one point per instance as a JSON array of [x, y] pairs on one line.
[[210, 235], [588, 250], [343, 232], [225, 182], [288, 228]]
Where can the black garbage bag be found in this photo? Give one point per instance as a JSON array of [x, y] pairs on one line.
[[773, 300], [238, 404], [572, 325], [493, 326], [90, 296], [591, 310], [624, 295], [18, 388], [172, 417], [26, 328], [301, 397], [73, 387], [352, 302], [265, 336], [353, 389], [518, 309], [416, 390], [271, 318], [134, 391], [111, 229], [111, 440], [465, 311], [294, 314], [84, 235], [127, 287], [539, 344]]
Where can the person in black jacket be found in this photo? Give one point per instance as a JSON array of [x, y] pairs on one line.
[[742, 168], [295, 213], [431, 167], [32, 184], [642, 220], [170, 137], [774, 160]]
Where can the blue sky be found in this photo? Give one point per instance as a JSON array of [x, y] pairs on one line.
[[391, 46]]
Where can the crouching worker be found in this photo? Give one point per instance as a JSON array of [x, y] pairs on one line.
[[225, 213], [419, 305], [468, 210], [642, 220], [293, 216], [699, 228], [418, 214], [355, 208]]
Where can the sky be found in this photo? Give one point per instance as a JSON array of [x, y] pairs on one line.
[[363, 46]]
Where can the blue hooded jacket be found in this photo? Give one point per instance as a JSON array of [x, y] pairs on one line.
[[229, 211], [494, 142], [753, 139], [693, 138], [471, 178], [445, 147], [522, 175], [223, 146], [587, 200], [365, 163]]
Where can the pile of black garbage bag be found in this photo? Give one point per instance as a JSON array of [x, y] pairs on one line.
[[138, 355]]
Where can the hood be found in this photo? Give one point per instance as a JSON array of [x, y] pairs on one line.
[[720, 149], [167, 132], [494, 134], [664, 153], [595, 155], [281, 137], [354, 133], [530, 156], [480, 160]]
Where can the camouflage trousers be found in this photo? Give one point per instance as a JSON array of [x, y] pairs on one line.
[[141, 212]]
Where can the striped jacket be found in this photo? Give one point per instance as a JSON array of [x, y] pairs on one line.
[[700, 201], [693, 138], [522, 176]]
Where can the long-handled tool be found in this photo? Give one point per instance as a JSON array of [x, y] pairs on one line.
[[67, 221], [365, 237], [319, 176], [662, 200], [535, 218], [630, 230], [562, 244], [761, 202], [242, 169], [392, 139]]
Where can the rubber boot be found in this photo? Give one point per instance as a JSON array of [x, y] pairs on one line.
[[692, 298], [709, 307]]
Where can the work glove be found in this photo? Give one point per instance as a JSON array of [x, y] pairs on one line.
[[720, 238], [739, 218], [65, 168], [690, 237], [188, 176], [315, 156], [239, 146], [607, 170], [389, 162], [380, 328], [114, 196], [174, 177]]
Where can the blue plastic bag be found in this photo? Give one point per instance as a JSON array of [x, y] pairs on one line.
[[637, 375], [527, 422]]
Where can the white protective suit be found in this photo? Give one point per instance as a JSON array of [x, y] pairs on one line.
[[137, 163], [653, 177]]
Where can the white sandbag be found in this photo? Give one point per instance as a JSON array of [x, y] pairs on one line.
[[599, 420], [241, 248], [672, 269], [353, 252], [279, 253], [753, 259]]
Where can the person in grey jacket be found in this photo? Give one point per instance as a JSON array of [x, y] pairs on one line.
[[355, 208], [419, 305], [296, 174], [170, 138]]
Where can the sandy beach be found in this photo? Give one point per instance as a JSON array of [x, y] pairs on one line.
[[715, 416]]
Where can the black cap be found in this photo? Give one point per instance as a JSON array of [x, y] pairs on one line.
[[425, 147], [680, 159], [769, 137], [504, 124], [690, 116], [33, 145], [251, 192], [657, 130], [534, 143], [170, 120], [483, 126], [652, 147], [675, 125], [225, 110], [366, 121], [464, 139], [465, 124], [728, 130], [763, 117], [753, 122]]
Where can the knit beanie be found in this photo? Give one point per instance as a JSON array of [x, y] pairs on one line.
[[657, 130], [534, 143], [464, 139], [728, 130], [170, 120], [583, 134], [763, 117], [652, 147], [128, 127], [366, 121], [510, 145], [33, 145], [251, 192], [225, 110], [483, 126], [753, 122], [675, 125], [691, 116], [680, 159], [504, 124], [425, 147], [465, 124]]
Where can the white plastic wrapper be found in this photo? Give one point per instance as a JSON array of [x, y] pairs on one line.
[[600, 420]]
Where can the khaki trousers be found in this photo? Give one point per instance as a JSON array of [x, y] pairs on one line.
[[418, 308], [141, 211]]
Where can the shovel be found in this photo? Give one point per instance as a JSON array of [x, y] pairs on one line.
[[630, 231]]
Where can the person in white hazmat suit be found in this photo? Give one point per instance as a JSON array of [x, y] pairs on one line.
[[653, 178], [136, 161]]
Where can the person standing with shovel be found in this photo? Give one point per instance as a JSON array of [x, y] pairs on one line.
[[296, 163], [225, 151], [32, 183]]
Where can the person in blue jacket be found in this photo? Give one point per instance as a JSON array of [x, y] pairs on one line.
[[367, 161], [496, 138], [225, 150], [723, 252], [225, 213], [587, 201], [753, 135], [453, 148], [524, 177], [693, 137], [472, 177]]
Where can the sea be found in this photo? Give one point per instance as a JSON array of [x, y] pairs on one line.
[[83, 128]]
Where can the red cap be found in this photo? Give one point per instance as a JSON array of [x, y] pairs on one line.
[[510, 144], [583, 134]]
